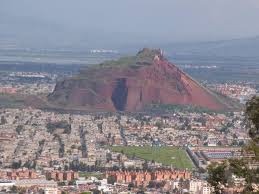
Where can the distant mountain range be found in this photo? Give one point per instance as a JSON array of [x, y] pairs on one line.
[[238, 48], [245, 47]]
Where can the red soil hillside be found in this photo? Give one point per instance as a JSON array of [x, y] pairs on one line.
[[131, 83]]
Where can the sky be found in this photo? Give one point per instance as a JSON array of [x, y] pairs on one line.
[[121, 22]]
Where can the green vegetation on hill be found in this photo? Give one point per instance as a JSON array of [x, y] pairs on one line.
[[144, 57], [122, 62], [175, 156]]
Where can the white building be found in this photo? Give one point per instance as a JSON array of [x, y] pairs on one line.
[[175, 184], [51, 191], [206, 190], [6, 184], [195, 186], [199, 187]]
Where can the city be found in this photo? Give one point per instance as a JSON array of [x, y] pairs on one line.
[[129, 97]]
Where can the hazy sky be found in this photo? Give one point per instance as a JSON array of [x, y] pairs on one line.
[[104, 22]]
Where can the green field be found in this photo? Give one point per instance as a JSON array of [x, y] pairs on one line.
[[175, 156]]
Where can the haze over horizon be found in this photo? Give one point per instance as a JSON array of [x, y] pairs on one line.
[[51, 23]]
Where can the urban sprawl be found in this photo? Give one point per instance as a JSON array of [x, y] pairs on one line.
[[44, 151]]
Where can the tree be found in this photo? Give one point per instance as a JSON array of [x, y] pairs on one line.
[[95, 191], [61, 183], [111, 180], [141, 190], [3, 120], [252, 114], [51, 127], [219, 174], [145, 165], [159, 124], [108, 157], [217, 178], [130, 186], [16, 165], [73, 182], [14, 189], [19, 129], [151, 184], [237, 167]]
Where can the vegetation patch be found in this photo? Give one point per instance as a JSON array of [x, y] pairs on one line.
[[144, 57], [52, 126]]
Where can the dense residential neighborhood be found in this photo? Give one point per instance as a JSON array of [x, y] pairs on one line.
[[66, 144]]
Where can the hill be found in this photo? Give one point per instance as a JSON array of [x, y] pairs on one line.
[[131, 83]]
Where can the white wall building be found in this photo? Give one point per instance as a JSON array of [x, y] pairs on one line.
[[6, 185]]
